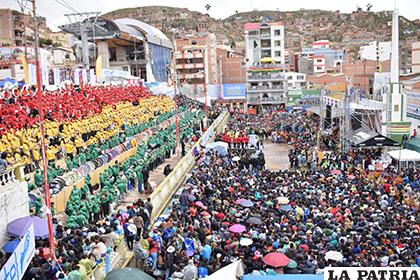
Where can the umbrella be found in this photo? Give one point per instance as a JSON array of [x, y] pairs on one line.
[[292, 264], [245, 241], [334, 256], [205, 213], [218, 147], [276, 259], [282, 200], [10, 246], [286, 207], [247, 203], [239, 201], [336, 172], [254, 221], [20, 226], [237, 228], [236, 158], [199, 204], [128, 273]]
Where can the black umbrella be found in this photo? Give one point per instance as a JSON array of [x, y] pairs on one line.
[[254, 221], [128, 273]]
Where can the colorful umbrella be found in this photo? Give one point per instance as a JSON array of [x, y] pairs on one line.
[[336, 172], [286, 208], [254, 221], [247, 203], [276, 259], [237, 228], [239, 201], [199, 204], [334, 256], [20, 226], [245, 241], [292, 264]]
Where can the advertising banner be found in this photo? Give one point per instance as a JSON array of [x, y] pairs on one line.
[[16, 265], [234, 91]]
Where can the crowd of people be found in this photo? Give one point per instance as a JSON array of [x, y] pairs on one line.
[[365, 214], [94, 227]]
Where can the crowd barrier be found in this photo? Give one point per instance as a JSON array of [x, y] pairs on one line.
[[162, 195]]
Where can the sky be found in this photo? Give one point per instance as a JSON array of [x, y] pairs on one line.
[[54, 10]]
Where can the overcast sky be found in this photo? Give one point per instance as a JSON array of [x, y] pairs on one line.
[[54, 11]]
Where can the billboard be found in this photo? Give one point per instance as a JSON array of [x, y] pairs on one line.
[[234, 91], [16, 265], [302, 97]]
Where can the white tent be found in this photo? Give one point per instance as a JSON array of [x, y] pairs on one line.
[[405, 155], [229, 272]]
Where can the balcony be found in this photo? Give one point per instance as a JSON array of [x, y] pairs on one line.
[[179, 55], [257, 100], [265, 89], [265, 77], [190, 66]]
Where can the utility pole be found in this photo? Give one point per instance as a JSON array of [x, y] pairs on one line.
[[175, 82], [43, 146], [22, 5]]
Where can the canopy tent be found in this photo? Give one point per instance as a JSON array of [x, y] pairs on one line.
[[405, 155], [364, 137], [284, 277], [229, 272]]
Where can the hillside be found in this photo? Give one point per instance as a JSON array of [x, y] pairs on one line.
[[302, 26]]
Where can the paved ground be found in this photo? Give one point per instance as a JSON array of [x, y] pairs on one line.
[[276, 156]]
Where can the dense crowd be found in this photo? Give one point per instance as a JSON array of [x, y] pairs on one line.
[[357, 207], [94, 227]]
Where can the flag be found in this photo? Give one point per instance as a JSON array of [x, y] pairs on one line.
[[98, 67], [25, 67]]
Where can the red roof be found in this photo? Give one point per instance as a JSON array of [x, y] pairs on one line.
[[256, 25], [316, 43]]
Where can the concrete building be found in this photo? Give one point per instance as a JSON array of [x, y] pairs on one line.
[[325, 59], [415, 57], [129, 45], [196, 61], [378, 51], [14, 24], [264, 40], [295, 80], [265, 85]]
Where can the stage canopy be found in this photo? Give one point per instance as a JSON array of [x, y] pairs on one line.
[[364, 137], [405, 155]]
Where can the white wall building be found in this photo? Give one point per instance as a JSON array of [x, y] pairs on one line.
[[378, 51], [295, 80], [415, 57], [264, 40]]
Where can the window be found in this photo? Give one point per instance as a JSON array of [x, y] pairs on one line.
[[112, 54], [300, 77], [125, 68], [277, 53], [277, 32], [277, 43], [318, 68], [319, 60], [193, 42], [396, 108], [289, 77]]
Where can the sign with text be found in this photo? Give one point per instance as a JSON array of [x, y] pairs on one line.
[[233, 91], [16, 265], [371, 273]]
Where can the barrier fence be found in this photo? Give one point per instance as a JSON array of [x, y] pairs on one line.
[[168, 187]]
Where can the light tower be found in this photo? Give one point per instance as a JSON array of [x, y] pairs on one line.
[[395, 123]]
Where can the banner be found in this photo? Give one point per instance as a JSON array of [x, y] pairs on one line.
[[25, 67], [16, 265], [234, 91], [44, 75], [32, 74], [98, 67]]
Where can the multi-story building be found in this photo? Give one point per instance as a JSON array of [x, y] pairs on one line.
[[325, 59], [415, 57], [379, 51], [265, 85], [295, 80], [196, 60], [14, 24], [264, 40]]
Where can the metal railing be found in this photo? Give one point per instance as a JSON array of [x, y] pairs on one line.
[[266, 100], [11, 174], [162, 195]]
